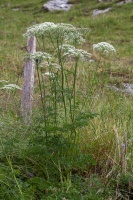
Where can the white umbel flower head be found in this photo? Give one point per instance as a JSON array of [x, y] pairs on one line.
[[104, 48], [11, 87], [39, 56], [3, 81], [54, 65], [39, 29], [71, 51], [50, 74], [60, 31]]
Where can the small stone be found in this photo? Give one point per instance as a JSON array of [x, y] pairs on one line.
[[98, 12], [124, 2], [126, 88], [30, 175], [15, 9], [105, 1]]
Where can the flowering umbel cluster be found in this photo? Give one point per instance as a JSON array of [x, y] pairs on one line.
[[11, 87], [67, 51], [71, 51], [59, 31], [39, 56], [104, 48]]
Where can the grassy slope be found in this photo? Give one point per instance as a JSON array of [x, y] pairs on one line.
[[114, 109], [118, 21], [115, 27]]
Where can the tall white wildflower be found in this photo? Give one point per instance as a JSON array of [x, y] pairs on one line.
[[104, 48]]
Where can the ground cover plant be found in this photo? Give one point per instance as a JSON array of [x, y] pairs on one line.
[[79, 145]]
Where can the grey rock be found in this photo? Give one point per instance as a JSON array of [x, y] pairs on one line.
[[119, 3], [126, 88], [105, 1], [124, 2], [55, 5], [98, 12], [15, 9]]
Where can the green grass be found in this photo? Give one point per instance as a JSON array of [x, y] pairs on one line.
[[30, 167]]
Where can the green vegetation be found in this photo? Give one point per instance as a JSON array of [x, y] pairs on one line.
[[86, 153]]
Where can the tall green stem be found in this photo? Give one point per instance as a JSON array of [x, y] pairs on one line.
[[70, 99], [62, 77], [44, 99], [43, 43], [41, 93], [74, 87]]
